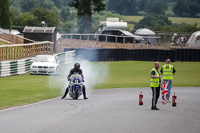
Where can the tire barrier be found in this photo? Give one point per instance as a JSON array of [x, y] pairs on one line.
[[8, 68], [137, 54], [17, 67]]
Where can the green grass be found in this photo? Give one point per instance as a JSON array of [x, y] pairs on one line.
[[19, 90], [179, 20], [24, 89], [137, 74], [132, 18], [136, 19]]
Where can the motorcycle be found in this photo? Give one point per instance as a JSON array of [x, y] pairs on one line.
[[75, 86]]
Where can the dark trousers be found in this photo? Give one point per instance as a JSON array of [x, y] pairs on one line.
[[67, 90], [155, 95]]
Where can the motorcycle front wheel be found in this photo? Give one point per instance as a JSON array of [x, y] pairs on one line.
[[76, 93]]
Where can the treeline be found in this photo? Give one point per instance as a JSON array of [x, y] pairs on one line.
[[84, 15], [159, 22], [33, 12], [181, 8]]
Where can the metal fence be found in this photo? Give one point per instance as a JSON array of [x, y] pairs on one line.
[[96, 37], [160, 38], [20, 51]]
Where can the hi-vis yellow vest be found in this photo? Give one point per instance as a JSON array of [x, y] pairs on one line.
[[155, 81], [167, 72]]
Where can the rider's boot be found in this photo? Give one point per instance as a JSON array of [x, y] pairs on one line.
[[84, 93], [66, 91]]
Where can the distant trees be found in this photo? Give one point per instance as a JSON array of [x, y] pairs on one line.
[[133, 7], [156, 7], [187, 8], [152, 21], [85, 9], [43, 14], [65, 14], [36, 16], [5, 15], [26, 5], [124, 7], [162, 23], [86, 14]]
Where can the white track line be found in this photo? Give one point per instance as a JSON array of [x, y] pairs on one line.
[[27, 105]]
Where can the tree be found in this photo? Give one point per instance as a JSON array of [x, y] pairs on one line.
[[187, 8], [156, 7], [27, 19], [66, 15], [85, 9], [123, 7], [154, 22], [194, 9], [49, 16], [27, 5], [15, 7], [5, 15], [181, 7], [61, 3]]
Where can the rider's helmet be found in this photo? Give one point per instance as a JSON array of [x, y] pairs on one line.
[[76, 65]]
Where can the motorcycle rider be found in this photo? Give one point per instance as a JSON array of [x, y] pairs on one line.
[[75, 70]]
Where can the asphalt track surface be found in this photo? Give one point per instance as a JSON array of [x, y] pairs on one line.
[[107, 111]]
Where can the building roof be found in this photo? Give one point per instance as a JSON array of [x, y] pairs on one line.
[[144, 32], [29, 29]]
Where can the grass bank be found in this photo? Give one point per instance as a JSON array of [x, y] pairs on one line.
[[24, 89], [178, 20]]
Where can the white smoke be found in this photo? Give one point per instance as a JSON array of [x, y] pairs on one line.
[[94, 73]]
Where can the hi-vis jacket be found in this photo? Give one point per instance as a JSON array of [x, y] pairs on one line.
[[167, 72], [155, 82]]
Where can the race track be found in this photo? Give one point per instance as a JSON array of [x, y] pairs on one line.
[[107, 111]]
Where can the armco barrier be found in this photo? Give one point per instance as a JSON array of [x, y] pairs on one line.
[[138, 54], [66, 57], [17, 67]]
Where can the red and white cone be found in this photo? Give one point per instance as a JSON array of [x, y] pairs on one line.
[[140, 99], [174, 97]]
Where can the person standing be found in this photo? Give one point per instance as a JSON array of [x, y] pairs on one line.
[[168, 71], [155, 85]]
